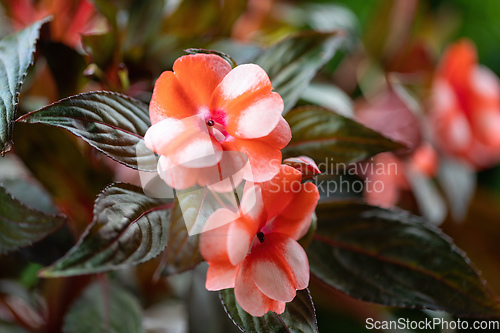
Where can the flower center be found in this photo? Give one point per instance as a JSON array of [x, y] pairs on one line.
[[217, 130], [260, 236]]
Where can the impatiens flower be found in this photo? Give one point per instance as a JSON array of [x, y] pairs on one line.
[[385, 181], [388, 177], [204, 109], [257, 253], [71, 17], [465, 110]]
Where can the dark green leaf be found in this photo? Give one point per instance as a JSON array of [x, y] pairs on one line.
[[220, 54], [330, 97], [56, 158], [31, 194], [16, 55], [241, 52], [112, 123], [329, 138], [299, 315], [128, 228], [104, 308], [21, 226], [393, 258], [292, 63]]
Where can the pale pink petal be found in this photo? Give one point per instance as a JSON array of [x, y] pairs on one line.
[[241, 234], [264, 160], [227, 174], [221, 217], [220, 276], [160, 136], [252, 203], [279, 267], [213, 240], [176, 176], [485, 82], [277, 306], [185, 141], [248, 296], [244, 80], [225, 185], [257, 119], [392, 115], [195, 147], [280, 136], [245, 97], [458, 132]]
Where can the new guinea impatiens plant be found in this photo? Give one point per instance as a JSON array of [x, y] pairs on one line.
[[226, 176]]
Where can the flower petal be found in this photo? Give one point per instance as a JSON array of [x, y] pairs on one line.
[[255, 119], [294, 220], [264, 160], [245, 95], [252, 204], [227, 174], [213, 239], [279, 267], [280, 136], [195, 147], [280, 190], [176, 176], [185, 141], [250, 298], [199, 75], [170, 100], [160, 135], [220, 276], [241, 233]]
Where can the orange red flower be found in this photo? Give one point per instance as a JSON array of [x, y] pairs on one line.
[[257, 253], [71, 18], [211, 122], [465, 112]]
